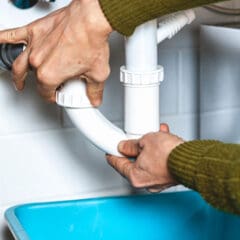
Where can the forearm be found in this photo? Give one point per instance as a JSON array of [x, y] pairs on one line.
[[125, 15], [212, 168]]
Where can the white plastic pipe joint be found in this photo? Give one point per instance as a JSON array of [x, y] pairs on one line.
[[141, 78]]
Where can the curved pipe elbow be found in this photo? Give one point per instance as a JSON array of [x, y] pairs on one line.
[[101, 132]]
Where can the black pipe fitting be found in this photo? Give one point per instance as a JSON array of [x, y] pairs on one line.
[[25, 4], [8, 53]]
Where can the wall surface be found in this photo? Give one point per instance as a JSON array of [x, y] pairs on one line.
[[219, 83], [44, 158]]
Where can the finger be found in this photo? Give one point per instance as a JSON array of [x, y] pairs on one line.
[[20, 69], [95, 92], [44, 48], [129, 148], [15, 35], [100, 70], [164, 128], [121, 165], [40, 53], [47, 92]]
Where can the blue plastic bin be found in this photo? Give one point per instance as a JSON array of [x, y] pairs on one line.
[[171, 216]]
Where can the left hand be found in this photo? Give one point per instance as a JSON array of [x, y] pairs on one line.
[[150, 169], [70, 43]]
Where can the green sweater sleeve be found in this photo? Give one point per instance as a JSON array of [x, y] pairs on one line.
[[125, 15], [212, 168]]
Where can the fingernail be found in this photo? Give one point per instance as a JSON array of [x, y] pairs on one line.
[[96, 102], [121, 146]]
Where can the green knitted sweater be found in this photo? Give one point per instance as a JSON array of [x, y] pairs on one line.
[[125, 15], [210, 167]]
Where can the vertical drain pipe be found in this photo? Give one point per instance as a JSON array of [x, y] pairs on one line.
[[141, 78]]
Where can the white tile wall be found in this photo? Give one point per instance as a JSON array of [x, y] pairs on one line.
[[219, 83], [220, 72], [51, 163], [222, 125], [169, 91], [43, 158], [25, 111]]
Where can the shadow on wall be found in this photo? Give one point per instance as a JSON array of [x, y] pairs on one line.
[[25, 111]]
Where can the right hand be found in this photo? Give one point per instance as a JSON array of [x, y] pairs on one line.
[[150, 169], [71, 43]]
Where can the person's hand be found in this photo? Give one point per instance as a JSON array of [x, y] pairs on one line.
[[69, 43], [150, 170]]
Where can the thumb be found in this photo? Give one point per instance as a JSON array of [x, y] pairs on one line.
[[95, 92], [129, 148]]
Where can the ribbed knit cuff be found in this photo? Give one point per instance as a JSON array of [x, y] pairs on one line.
[[184, 159], [125, 15]]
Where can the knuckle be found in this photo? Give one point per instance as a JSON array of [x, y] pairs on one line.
[[33, 60], [30, 32], [135, 178], [135, 182], [126, 168], [107, 71], [48, 78], [100, 78], [146, 138], [102, 75], [42, 76], [142, 142], [35, 29], [11, 35]]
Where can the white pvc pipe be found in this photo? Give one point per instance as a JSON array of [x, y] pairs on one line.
[[141, 78], [141, 109], [101, 132], [141, 48], [89, 120]]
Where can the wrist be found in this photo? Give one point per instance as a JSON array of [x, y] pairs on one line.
[[95, 17]]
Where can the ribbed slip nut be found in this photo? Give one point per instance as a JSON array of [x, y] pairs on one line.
[[141, 78], [72, 101]]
